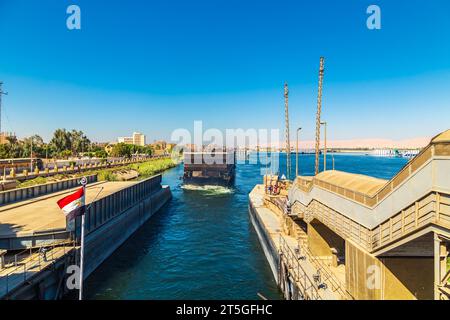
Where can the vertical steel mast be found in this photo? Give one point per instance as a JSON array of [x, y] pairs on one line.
[[319, 110], [288, 144], [1, 93]]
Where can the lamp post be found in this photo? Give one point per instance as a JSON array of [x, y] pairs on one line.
[[31, 155], [296, 154], [325, 147]]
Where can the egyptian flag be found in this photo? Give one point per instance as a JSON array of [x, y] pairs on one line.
[[73, 205]]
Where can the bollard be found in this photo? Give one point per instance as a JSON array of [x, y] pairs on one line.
[[25, 173], [36, 171], [12, 173]]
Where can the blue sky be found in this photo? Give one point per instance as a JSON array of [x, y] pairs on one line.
[[154, 66]]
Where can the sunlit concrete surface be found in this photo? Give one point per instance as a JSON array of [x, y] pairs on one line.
[[42, 214]]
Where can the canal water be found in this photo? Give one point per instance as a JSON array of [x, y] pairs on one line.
[[202, 244]]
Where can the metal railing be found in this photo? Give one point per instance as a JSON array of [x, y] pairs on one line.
[[433, 208], [36, 261], [432, 150], [327, 275], [308, 287]]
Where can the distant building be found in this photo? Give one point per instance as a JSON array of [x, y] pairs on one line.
[[127, 140], [4, 137], [137, 139]]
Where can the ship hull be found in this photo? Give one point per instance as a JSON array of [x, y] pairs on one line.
[[209, 181]]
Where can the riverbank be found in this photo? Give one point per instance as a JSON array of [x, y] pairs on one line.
[[144, 170]]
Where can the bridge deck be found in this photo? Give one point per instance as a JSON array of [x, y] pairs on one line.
[[42, 214]]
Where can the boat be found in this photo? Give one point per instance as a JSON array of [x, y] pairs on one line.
[[209, 168]]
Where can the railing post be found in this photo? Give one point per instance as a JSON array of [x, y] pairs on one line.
[[438, 206], [416, 213]]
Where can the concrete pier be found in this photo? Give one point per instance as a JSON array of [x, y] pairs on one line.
[[281, 251], [119, 210], [26, 224]]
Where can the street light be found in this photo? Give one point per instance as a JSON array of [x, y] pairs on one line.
[[325, 147], [31, 155], [296, 155]]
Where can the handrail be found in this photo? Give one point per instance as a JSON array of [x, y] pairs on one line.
[[281, 206], [406, 171], [310, 289], [330, 277], [371, 238], [35, 261]]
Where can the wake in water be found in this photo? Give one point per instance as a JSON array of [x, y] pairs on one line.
[[209, 190]]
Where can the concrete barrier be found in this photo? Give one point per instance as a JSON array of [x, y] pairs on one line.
[[21, 194], [77, 169], [111, 220]]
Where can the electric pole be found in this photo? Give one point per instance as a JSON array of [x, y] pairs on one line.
[[288, 144], [319, 110], [1, 93]]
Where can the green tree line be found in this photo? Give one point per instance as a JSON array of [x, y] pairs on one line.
[[127, 150], [63, 144]]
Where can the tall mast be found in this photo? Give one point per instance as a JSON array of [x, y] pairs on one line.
[[288, 144], [1, 93], [319, 110]]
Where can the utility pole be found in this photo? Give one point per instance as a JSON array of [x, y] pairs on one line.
[[319, 110], [1, 93], [325, 146], [31, 155], [288, 144]]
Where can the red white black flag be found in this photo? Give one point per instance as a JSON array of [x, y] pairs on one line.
[[73, 205]]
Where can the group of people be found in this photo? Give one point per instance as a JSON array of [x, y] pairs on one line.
[[273, 190]]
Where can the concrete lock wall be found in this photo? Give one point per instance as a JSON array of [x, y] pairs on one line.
[[408, 278], [21, 194], [109, 222], [363, 274], [403, 278], [113, 219], [321, 240], [269, 248]]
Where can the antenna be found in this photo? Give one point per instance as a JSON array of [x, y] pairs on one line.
[[1, 93], [288, 144], [319, 110]]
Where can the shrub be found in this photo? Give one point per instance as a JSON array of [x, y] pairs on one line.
[[106, 175]]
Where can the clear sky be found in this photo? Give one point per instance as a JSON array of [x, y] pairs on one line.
[[154, 66]]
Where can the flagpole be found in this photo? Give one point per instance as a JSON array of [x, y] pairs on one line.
[[80, 297], [81, 258]]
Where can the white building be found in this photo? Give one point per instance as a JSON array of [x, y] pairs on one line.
[[137, 139]]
